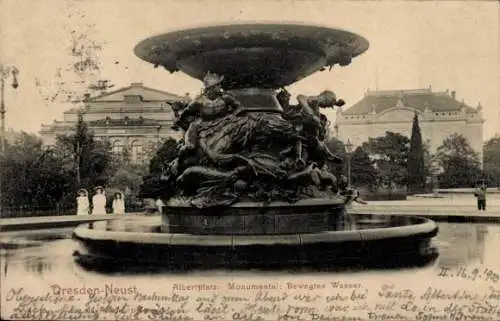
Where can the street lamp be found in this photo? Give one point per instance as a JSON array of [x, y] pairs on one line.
[[348, 147], [5, 72]]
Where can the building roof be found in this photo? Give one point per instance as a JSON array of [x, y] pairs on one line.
[[147, 94], [420, 99]]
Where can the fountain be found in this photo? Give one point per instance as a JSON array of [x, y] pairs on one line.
[[251, 184]]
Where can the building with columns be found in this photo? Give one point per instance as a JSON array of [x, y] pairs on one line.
[[132, 118], [440, 115]]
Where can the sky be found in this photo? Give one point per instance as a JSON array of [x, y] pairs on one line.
[[446, 45]]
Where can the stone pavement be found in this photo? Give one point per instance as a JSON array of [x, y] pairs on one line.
[[447, 208], [442, 214], [453, 200]]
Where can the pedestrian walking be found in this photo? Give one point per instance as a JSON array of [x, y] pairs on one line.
[[480, 194]]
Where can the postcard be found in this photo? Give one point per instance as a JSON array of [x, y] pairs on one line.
[[249, 160]]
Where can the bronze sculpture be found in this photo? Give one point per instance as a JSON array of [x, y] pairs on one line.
[[229, 155]]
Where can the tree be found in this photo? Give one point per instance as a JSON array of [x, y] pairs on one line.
[[127, 174], [460, 163], [33, 176], [153, 186], [337, 147], [429, 157], [431, 165], [491, 161], [88, 159], [80, 76], [390, 156], [363, 172], [128, 177], [416, 161], [165, 154]]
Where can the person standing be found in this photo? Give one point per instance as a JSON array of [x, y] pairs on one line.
[[118, 204], [99, 202], [159, 205], [82, 203], [480, 194]]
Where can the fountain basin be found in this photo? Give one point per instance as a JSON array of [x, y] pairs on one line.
[[122, 243], [265, 55]]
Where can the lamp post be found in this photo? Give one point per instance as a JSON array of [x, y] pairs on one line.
[[348, 147], [78, 162], [5, 72]]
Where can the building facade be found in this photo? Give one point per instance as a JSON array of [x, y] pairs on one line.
[[440, 114], [132, 119]]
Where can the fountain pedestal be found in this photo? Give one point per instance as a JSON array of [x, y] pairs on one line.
[[251, 218], [257, 100]]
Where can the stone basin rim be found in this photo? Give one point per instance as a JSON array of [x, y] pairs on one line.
[[243, 23], [216, 33], [277, 204], [184, 32], [427, 228]]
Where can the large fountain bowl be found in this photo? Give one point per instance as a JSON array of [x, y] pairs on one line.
[[263, 55]]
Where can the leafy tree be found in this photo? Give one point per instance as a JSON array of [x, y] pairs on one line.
[[165, 154], [127, 179], [431, 165], [390, 156], [363, 172], [87, 159], [429, 157], [32, 176], [152, 184], [128, 176], [80, 75], [460, 163], [338, 148], [491, 160], [416, 160]]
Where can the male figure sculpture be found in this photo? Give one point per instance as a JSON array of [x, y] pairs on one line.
[[211, 104], [310, 122]]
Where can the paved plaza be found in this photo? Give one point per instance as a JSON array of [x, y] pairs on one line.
[[445, 203], [448, 207]]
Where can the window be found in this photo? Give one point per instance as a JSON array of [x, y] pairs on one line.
[[117, 148], [137, 152]]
